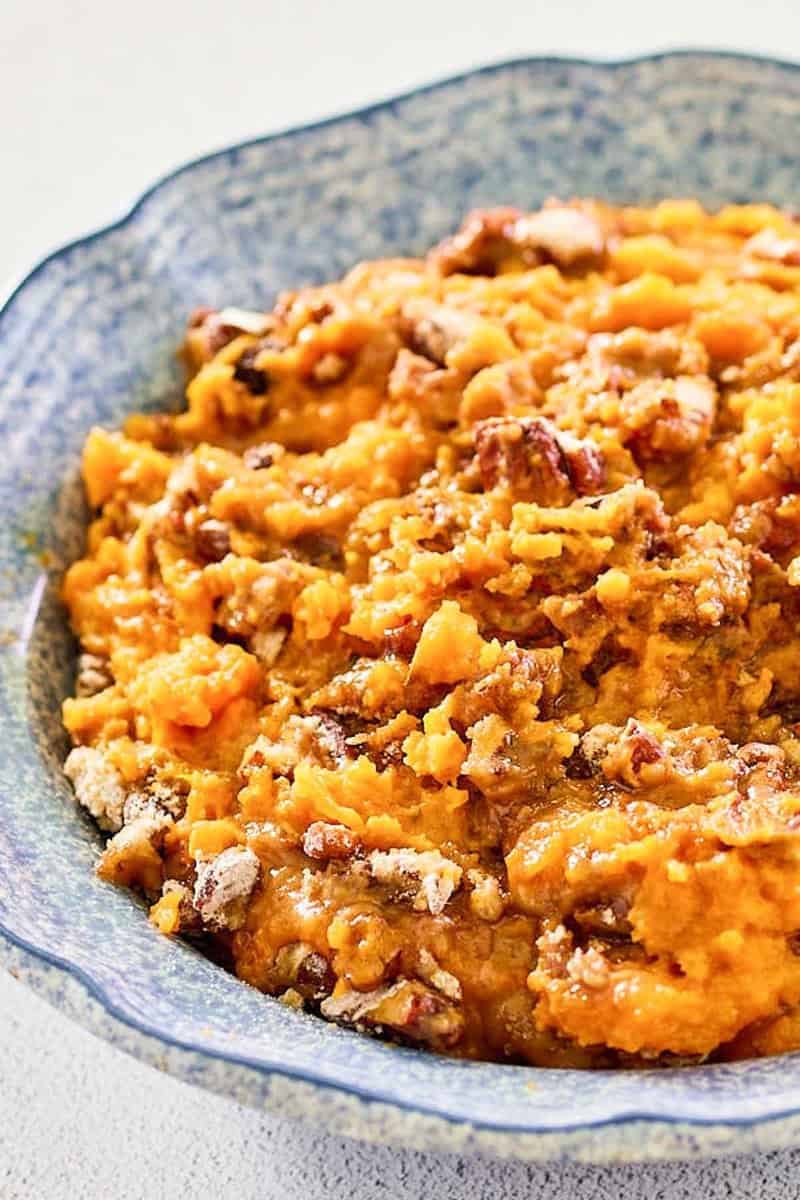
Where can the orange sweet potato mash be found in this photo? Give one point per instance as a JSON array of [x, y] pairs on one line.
[[441, 662]]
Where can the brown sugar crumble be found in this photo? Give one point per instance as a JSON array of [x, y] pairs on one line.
[[440, 662]]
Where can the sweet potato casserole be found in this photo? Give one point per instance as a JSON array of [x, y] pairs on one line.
[[440, 663]]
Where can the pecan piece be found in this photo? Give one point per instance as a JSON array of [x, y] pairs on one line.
[[407, 1008], [434, 329], [258, 458], [156, 798], [209, 330], [304, 969], [425, 876], [585, 464], [669, 418], [246, 372], [432, 972], [535, 460], [480, 245], [224, 887], [564, 234], [757, 753], [212, 540], [324, 841], [561, 233], [623, 753], [188, 918], [132, 856]]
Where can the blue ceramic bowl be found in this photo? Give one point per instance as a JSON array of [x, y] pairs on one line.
[[90, 335]]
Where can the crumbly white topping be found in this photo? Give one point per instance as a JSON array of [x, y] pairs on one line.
[[154, 799], [588, 967], [94, 675], [224, 886], [432, 878], [138, 834], [98, 786]]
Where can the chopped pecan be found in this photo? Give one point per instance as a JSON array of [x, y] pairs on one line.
[[522, 454], [426, 877], [643, 747], [773, 525], [434, 329], [320, 549], [331, 738], [212, 540], [586, 466], [209, 330], [596, 741], [537, 461], [757, 753], [318, 739], [224, 886], [407, 1008], [566, 235], [132, 856], [324, 841], [300, 966], [480, 245], [258, 458], [156, 798], [434, 974], [246, 372], [670, 418], [624, 752], [417, 379]]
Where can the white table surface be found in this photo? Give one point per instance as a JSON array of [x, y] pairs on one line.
[[97, 99]]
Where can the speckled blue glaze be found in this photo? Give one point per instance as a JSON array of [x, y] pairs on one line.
[[89, 336]]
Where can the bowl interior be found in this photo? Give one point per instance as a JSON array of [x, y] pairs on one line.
[[90, 336]]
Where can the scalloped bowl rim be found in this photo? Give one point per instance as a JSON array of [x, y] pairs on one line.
[[39, 957]]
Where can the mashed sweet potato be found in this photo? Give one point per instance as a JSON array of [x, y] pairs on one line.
[[440, 662]]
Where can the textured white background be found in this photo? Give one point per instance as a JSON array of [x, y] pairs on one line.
[[97, 99]]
